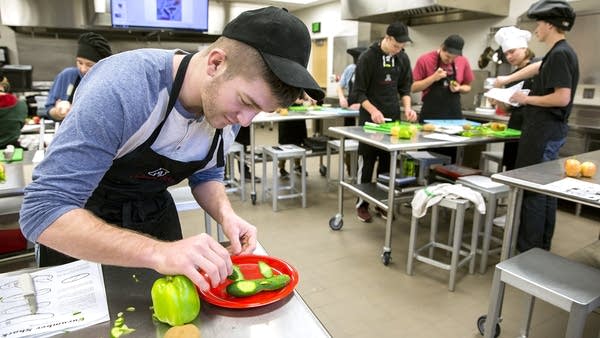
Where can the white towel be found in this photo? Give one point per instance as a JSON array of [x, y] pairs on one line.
[[432, 195]]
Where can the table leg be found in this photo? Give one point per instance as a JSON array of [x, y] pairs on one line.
[[252, 166], [387, 247]]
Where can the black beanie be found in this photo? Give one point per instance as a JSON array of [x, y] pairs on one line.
[[93, 46]]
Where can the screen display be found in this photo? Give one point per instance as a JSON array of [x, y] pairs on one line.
[[165, 14]]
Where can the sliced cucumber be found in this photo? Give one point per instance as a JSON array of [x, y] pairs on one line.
[[265, 269]]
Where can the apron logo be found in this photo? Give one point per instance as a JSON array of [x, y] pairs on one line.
[[160, 172], [388, 78]]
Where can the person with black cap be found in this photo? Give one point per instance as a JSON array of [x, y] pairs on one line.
[[545, 114], [100, 193], [442, 75], [344, 88], [382, 74], [91, 48]]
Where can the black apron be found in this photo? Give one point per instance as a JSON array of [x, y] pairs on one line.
[[440, 103], [133, 192]]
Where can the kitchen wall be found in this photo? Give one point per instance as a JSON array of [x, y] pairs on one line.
[[475, 32], [51, 54]]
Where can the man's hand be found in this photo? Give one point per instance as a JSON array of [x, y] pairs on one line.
[[377, 117], [439, 74], [454, 86], [343, 102], [501, 81], [61, 109], [241, 234], [410, 114], [519, 97], [193, 257]]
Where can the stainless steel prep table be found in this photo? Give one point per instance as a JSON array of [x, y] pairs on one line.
[[18, 175], [290, 317], [369, 191], [263, 117], [533, 178]]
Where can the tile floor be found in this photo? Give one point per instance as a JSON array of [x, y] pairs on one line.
[[344, 282]]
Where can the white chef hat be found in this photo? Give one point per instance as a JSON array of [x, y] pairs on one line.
[[511, 37]]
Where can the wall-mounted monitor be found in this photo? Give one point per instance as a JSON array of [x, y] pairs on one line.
[[160, 14]]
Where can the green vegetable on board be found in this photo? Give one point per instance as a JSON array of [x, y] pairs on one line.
[[175, 300]]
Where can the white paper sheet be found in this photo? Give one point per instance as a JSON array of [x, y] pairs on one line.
[[575, 187], [69, 297], [504, 94], [445, 137]]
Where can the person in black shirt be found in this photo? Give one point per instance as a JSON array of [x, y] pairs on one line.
[[383, 72], [546, 113]]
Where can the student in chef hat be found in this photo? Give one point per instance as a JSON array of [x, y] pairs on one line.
[[91, 48], [513, 42]]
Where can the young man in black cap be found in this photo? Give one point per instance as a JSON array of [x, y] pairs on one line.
[[92, 47], [442, 75], [382, 74], [100, 193], [545, 114]]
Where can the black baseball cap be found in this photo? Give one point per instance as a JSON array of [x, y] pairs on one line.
[[283, 42], [556, 12], [398, 31], [454, 44]]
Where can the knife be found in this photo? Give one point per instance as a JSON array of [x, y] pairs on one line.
[[26, 284]]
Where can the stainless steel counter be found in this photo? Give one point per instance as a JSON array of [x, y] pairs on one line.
[[130, 287], [469, 114], [290, 317], [534, 178], [18, 174], [385, 199]]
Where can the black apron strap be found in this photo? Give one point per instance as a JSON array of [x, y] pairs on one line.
[[75, 85]]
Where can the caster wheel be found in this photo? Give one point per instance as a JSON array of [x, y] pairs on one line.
[[481, 326], [386, 257], [323, 170], [336, 222], [253, 198]]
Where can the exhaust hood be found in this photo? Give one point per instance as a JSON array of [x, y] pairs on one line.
[[421, 12]]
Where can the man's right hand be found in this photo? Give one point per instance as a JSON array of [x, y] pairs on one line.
[[439, 74], [377, 117], [343, 102], [195, 257]]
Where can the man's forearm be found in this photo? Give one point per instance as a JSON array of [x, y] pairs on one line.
[[420, 85], [80, 234]]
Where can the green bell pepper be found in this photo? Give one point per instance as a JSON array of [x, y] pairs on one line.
[[175, 300]]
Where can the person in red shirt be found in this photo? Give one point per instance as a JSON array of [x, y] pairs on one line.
[[442, 75]]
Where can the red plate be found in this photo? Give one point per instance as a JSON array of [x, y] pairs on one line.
[[249, 266]]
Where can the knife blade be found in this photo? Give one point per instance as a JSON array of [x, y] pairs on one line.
[[26, 284]]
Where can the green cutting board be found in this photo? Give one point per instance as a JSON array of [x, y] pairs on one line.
[[17, 156]]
